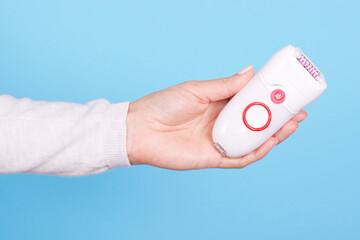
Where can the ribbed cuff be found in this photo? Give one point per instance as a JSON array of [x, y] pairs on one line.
[[115, 142]]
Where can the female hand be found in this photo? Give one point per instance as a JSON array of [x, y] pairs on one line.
[[172, 128]]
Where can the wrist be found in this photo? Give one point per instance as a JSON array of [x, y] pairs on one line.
[[130, 134]]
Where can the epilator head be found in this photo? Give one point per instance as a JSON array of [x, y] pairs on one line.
[[287, 83], [291, 69]]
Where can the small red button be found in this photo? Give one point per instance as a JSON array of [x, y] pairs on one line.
[[257, 116], [277, 96]]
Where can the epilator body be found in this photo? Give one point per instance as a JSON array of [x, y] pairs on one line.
[[287, 83]]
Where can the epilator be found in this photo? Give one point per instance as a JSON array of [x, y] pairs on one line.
[[287, 83]]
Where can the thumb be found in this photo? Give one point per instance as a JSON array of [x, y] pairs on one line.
[[223, 88]]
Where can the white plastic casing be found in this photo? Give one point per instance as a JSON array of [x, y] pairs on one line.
[[232, 137]]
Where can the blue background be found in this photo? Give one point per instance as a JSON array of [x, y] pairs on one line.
[[306, 188]]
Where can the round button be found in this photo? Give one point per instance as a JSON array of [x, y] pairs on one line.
[[257, 116], [277, 96]]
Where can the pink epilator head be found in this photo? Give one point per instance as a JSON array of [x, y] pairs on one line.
[[287, 83]]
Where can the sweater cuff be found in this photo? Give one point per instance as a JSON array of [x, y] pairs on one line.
[[115, 134]]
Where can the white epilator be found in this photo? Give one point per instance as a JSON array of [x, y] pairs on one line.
[[287, 83]]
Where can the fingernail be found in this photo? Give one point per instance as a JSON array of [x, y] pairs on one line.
[[296, 127], [276, 141], [305, 116], [245, 69]]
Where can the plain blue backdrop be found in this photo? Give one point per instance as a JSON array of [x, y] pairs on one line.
[[68, 50]]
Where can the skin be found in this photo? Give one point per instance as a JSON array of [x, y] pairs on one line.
[[172, 128]]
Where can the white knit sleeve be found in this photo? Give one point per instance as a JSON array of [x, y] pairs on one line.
[[64, 139]]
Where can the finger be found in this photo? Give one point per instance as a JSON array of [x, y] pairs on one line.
[[300, 116], [259, 153], [286, 130], [290, 127], [223, 88]]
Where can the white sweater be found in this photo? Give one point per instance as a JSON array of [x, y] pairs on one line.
[[64, 139]]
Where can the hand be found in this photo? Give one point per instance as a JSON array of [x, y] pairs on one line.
[[172, 128]]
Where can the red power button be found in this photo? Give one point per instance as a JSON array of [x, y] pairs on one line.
[[257, 116]]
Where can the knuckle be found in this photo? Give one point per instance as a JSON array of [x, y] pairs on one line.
[[241, 165], [252, 156], [291, 126], [191, 86], [228, 89], [191, 83]]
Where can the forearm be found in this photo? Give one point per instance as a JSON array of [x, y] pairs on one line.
[[64, 139]]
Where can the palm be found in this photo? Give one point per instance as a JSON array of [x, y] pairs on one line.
[[182, 124]]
